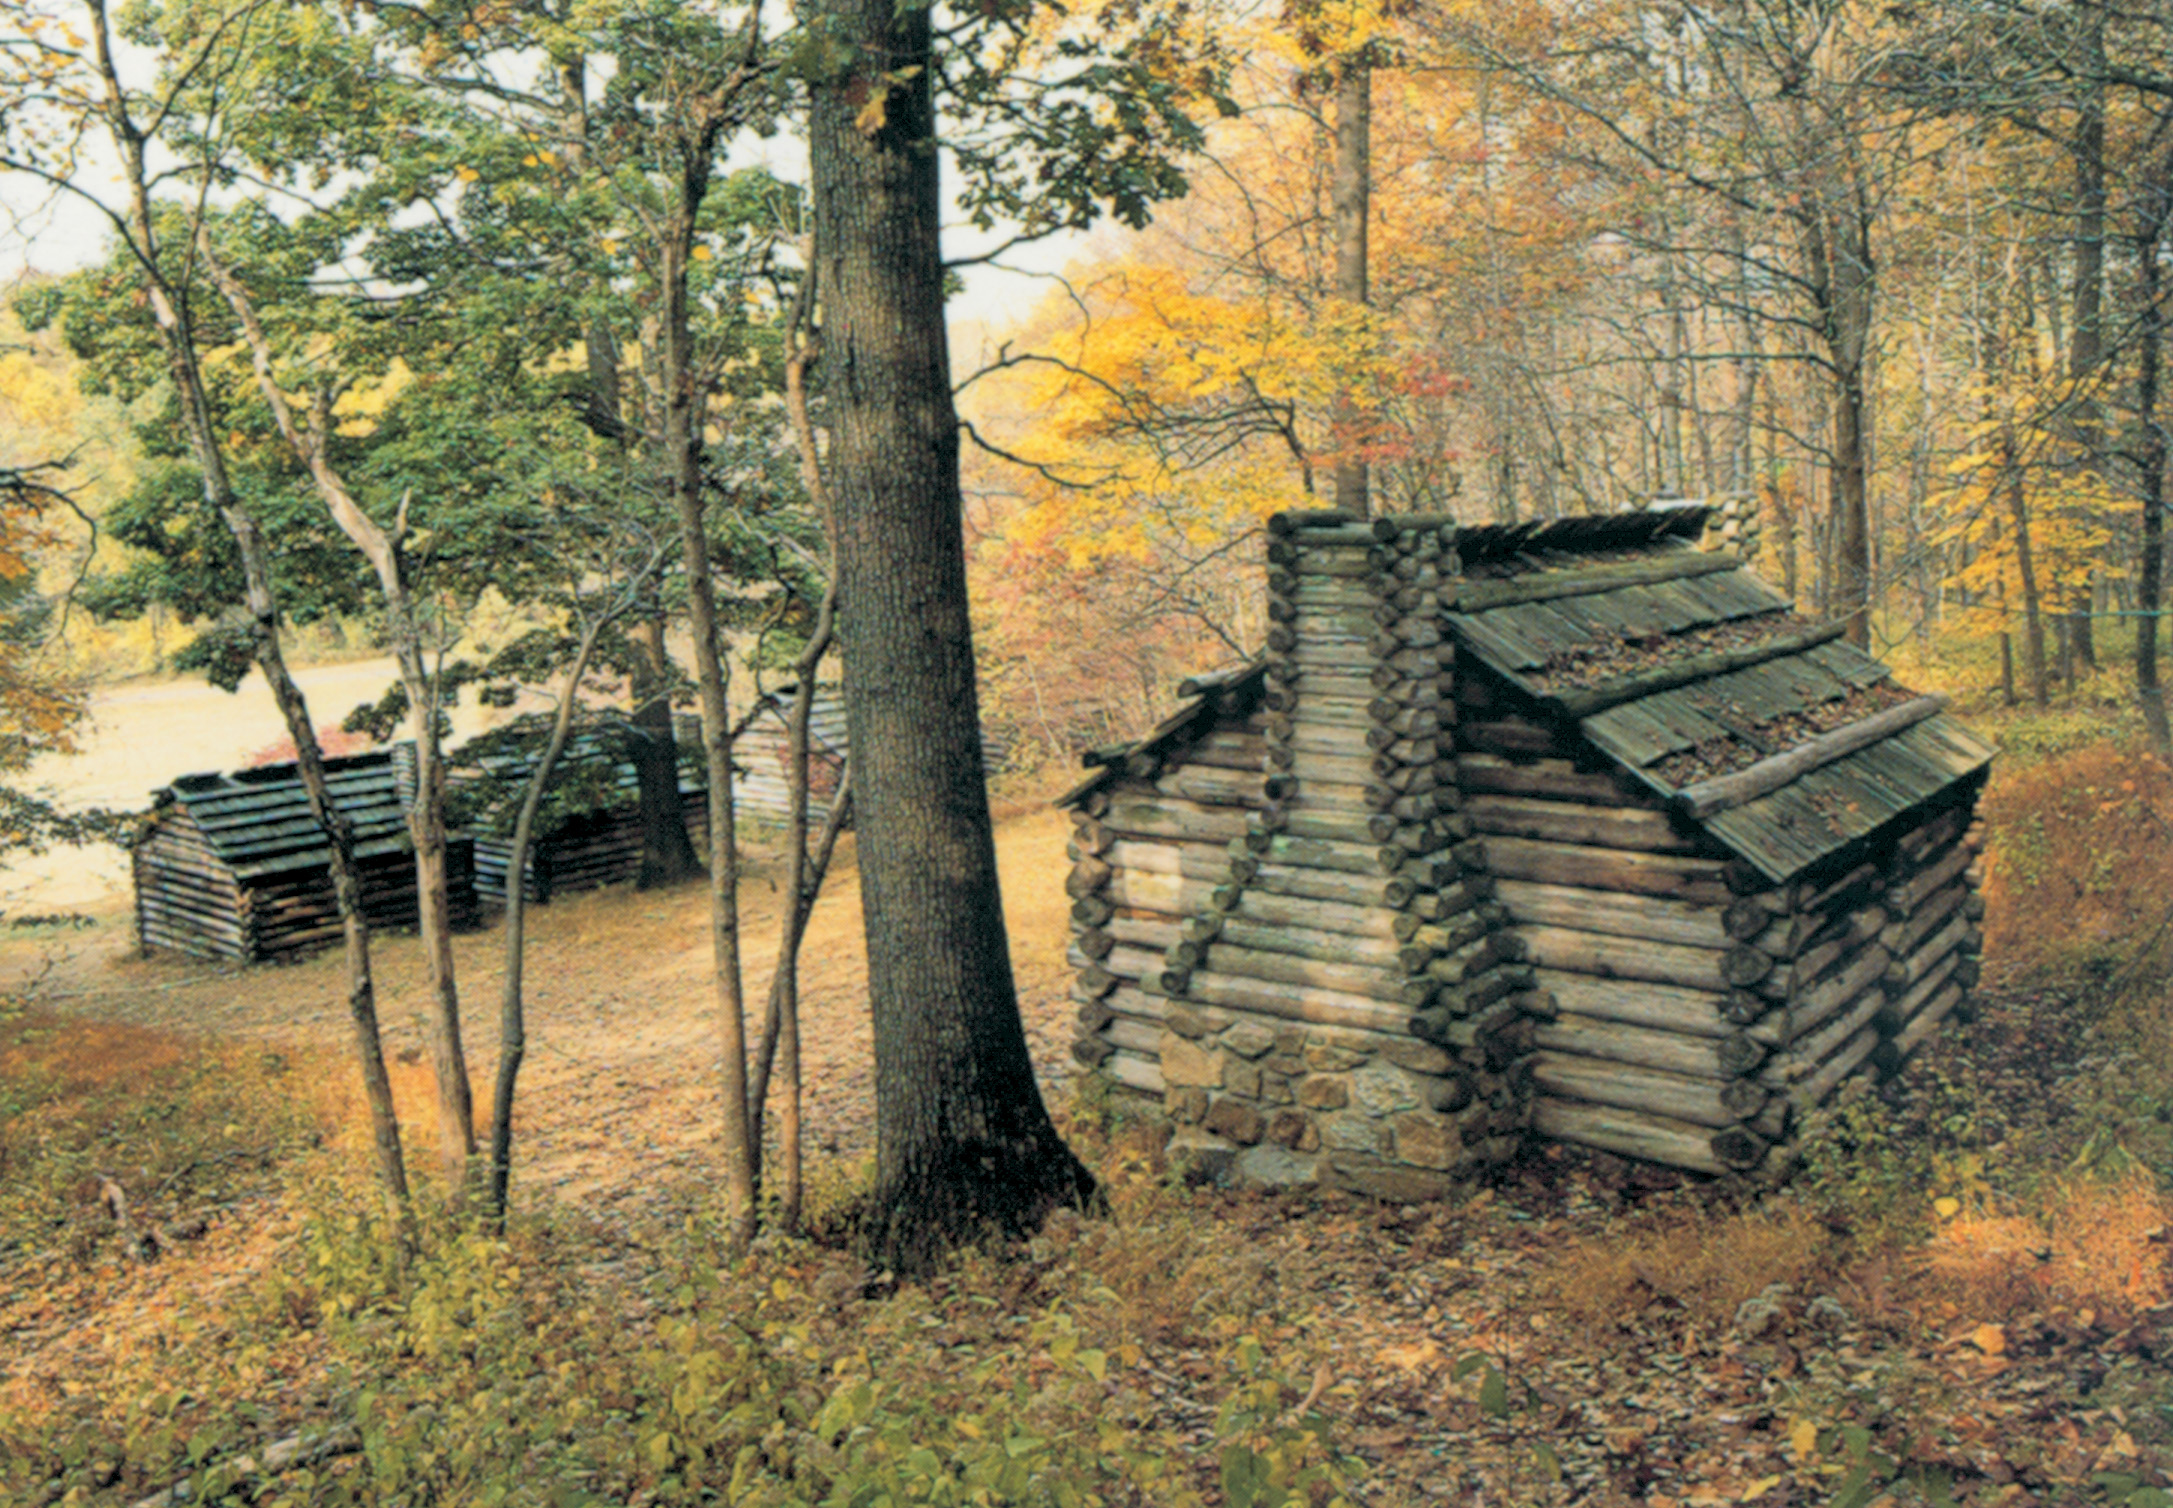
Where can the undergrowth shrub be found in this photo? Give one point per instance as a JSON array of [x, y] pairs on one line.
[[2080, 865], [1703, 1265]]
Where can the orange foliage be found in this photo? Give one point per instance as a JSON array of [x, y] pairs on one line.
[[2094, 1246], [2081, 857]]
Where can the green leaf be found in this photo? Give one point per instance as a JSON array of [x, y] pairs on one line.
[[1245, 1474], [1494, 1394]]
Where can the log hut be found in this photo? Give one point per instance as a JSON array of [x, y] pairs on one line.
[[1572, 828], [588, 832], [236, 866], [762, 754]]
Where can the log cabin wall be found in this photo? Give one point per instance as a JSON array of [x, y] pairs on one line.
[[1572, 826]]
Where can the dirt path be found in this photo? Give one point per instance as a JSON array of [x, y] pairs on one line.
[[619, 1093]]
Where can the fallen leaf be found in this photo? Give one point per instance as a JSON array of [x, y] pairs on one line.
[[1990, 1339], [1803, 1438]]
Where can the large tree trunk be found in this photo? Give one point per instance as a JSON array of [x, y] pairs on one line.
[[964, 1143], [1353, 195]]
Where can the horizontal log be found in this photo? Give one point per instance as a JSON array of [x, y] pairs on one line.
[[1903, 898], [1902, 1006], [1606, 957], [1392, 891], [1135, 1072], [1371, 982], [1923, 1025], [1335, 769], [1955, 936], [1554, 779], [1172, 819], [1122, 965], [1137, 933], [1323, 853], [1837, 943], [1571, 822], [1700, 1102], [1627, 1133], [1800, 1059], [1152, 890], [1667, 876], [1197, 861], [1704, 1057], [1257, 906], [1616, 913], [1901, 938], [1817, 1005], [1510, 736], [1285, 1001], [1212, 786], [1638, 1003], [1478, 596], [1707, 798], [1318, 944], [1228, 748], [1819, 1086]]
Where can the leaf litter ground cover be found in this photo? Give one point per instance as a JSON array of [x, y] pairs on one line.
[[1907, 1323]]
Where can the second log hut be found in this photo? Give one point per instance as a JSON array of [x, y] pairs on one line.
[[1572, 828]]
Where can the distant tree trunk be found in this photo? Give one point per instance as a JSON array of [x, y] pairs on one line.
[[2086, 349], [2157, 203], [1352, 194], [2018, 512], [964, 1143], [685, 402], [667, 849]]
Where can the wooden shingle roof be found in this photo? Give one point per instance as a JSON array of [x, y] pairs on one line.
[[258, 822], [1783, 742]]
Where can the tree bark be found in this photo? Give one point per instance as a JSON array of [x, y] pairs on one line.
[[964, 1143]]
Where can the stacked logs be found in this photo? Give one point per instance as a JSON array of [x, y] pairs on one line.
[[1700, 1010], [1735, 527], [1345, 1002], [1621, 908], [1149, 848], [1876, 957]]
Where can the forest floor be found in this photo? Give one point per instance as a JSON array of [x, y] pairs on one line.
[[1587, 1331]]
